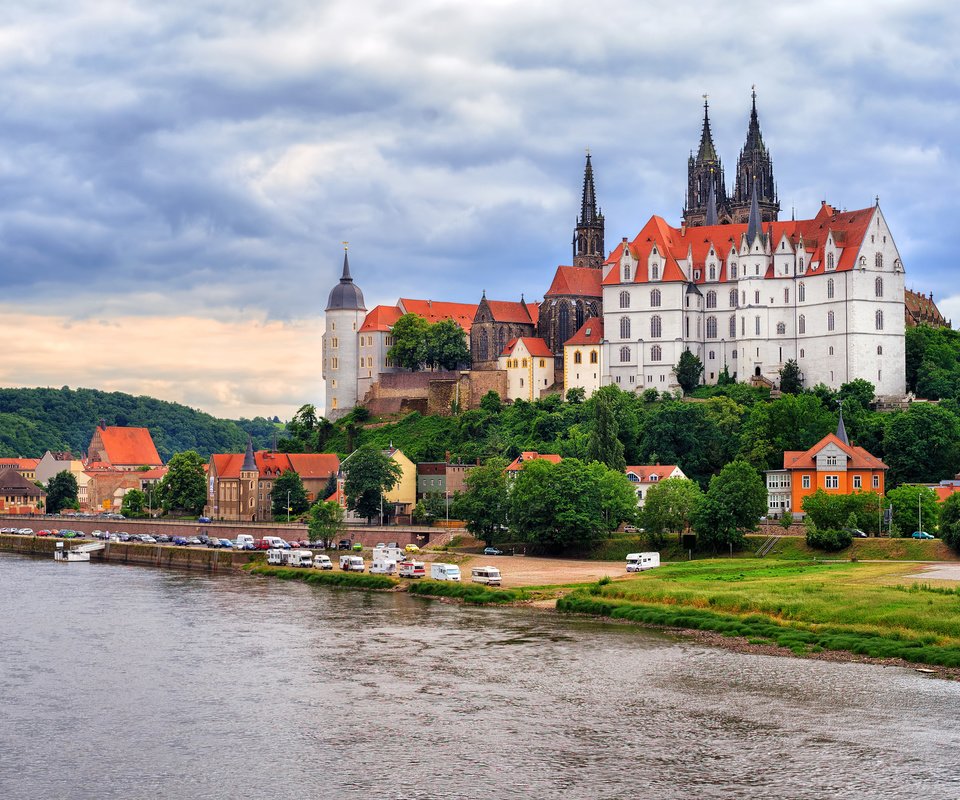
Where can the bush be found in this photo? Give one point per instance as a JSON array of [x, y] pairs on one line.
[[786, 519], [829, 540], [469, 593]]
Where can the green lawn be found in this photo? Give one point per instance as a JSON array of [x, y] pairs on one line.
[[864, 608]]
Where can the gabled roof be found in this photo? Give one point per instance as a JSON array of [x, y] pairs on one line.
[[152, 474], [381, 318], [435, 310], [576, 281], [270, 464], [12, 482], [591, 332], [19, 463], [507, 311], [857, 457], [129, 446], [534, 345], [645, 473], [532, 455]]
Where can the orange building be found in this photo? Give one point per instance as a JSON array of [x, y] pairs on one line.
[[832, 464]]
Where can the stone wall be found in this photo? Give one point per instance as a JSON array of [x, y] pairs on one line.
[[432, 392]]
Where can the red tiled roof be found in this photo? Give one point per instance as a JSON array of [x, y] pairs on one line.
[[152, 474], [921, 309], [532, 455], [129, 446], [435, 310], [380, 318], [591, 332], [807, 459], [577, 281], [271, 465], [506, 311], [19, 463], [98, 466], [534, 345], [943, 492], [644, 473], [533, 309]]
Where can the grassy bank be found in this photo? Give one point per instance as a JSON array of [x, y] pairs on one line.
[[354, 580], [868, 609], [469, 593]]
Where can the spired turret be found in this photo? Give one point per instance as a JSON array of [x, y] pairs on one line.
[[588, 249], [755, 170], [344, 317], [705, 174]]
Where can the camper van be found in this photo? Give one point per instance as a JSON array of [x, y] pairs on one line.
[[638, 562], [321, 561], [299, 558], [412, 569], [276, 557], [445, 572], [388, 551], [351, 563], [383, 566], [487, 575]]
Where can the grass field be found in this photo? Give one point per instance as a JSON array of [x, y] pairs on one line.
[[872, 609]]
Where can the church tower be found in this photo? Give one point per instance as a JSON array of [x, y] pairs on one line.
[[588, 235], [755, 168], [249, 475], [345, 315], [705, 180]]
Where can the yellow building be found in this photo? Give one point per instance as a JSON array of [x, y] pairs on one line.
[[403, 496], [582, 358], [529, 365]]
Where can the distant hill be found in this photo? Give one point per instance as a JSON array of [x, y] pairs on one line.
[[35, 420]]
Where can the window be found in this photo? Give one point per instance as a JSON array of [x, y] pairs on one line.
[[878, 260], [878, 287], [857, 482], [876, 481], [878, 319], [655, 272], [801, 292], [802, 324], [335, 363], [806, 481], [624, 354], [786, 295], [733, 270], [624, 327], [711, 299], [831, 321], [832, 481], [756, 298], [655, 298], [801, 264], [733, 327], [830, 289], [712, 356], [524, 363], [334, 342], [802, 353], [543, 363], [696, 274], [781, 329], [756, 325], [593, 356], [626, 272], [879, 349], [733, 298], [831, 461], [713, 273], [830, 261], [734, 355], [656, 327], [656, 354], [624, 299], [577, 358], [711, 327]]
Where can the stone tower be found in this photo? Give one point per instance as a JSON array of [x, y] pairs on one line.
[[345, 315], [249, 476], [754, 167], [588, 235], [705, 177]]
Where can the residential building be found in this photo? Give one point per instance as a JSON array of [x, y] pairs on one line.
[[123, 448], [643, 477], [54, 462], [919, 309], [18, 495], [832, 464], [582, 367], [25, 466], [513, 469], [443, 478], [529, 365]]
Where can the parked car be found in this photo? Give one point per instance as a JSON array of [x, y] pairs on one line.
[[193, 540], [358, 546], [411, 548], [146, 538], [162, 538], [922, 535], [180, 540], [204, 519], [344, 544], [492, 551]]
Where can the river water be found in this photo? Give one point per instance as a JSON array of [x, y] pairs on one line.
[[130, 682]]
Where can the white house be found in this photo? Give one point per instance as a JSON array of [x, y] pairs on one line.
[[529, 365], [643, 477]]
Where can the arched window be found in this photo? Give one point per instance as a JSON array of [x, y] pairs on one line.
[[831, 321], [829, 260], [711, 299], [801, 263], [577, 357], [878, 287], [713, 273], [711, 355], [624, 327], [830, 289], [711, 327], [655, 272], [733, 270], [879, 349], [878, 317], [563, 322], [802, 353], [655, 298], [801, 291], [593, 356], [656, 354], [802, 324], [830, 351], [656, 328], [733, 298], [878, 260], [626, 272], [624, 299], [483, 345], [624, 354], [781, 329], [733, 327], [579, 316]]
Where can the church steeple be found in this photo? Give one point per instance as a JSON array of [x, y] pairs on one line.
[[704, 174], [755, 167], [711, 218], [754, 222], [588, 249]]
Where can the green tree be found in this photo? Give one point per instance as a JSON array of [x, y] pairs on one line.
[[912, 506], [183, 489], [618, 501], [409, 349], [62, 492], [603, 444], [134, 504], [790, 380], [734, 503], [288, 485], [670, 506], [786, 520], [446, 346], [370, 474], [483, 505], [792, 422], [921, 444], [950, 521], [688, 371], [491, 402], [325, 522], [826, 510]]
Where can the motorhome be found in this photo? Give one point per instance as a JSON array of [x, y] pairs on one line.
[[487, 575], [638, 562], [412, 569], [320, 561], [351, 563], [276, 557], [383, 566], [388, 551], [299, 558], [445, 572]]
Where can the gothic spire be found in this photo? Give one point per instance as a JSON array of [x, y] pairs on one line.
[[588, 208], [754, 228], [588, 247], [841, 429], [754, 137], [249, 462], [707, 151], [711, 218]]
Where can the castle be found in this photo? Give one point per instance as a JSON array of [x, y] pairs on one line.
[[736, 286]]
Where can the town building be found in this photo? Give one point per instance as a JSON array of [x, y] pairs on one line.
[[25, 466], [54, 462], [582, 368], [442, 478], [398, 503], [122, 448], [832, 464], [919, 309], [514, 467], [498, 322], [643, 477], [529, 365], [18, 495]]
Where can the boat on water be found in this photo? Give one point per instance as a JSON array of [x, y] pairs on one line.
[[80, 552]]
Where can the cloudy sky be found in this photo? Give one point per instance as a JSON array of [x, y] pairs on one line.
[[176, 178]]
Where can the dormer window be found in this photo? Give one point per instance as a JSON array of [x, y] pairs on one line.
[[626, 272], [733, 269], [830, 263], [713, 273], [655, 272], [696, 274]]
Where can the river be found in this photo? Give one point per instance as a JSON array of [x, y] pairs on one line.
[[130, 682]]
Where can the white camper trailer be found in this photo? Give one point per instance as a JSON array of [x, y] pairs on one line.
[[445, 572], [638, 562]]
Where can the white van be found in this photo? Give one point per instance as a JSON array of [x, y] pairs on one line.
[[385, 551], [445, 572], [638, 562], [244, 539], [351, 563], [276, 541], [321, 561], [412, 569], [487, 575], [383, 566], [299, 558], [276, 557]]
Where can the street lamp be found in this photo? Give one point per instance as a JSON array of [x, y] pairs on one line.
[[288, 506]]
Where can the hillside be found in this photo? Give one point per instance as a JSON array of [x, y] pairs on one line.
[[35, 420]]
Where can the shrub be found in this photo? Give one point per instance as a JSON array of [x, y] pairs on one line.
[[473, 594], [786, 519], [829, 540]]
